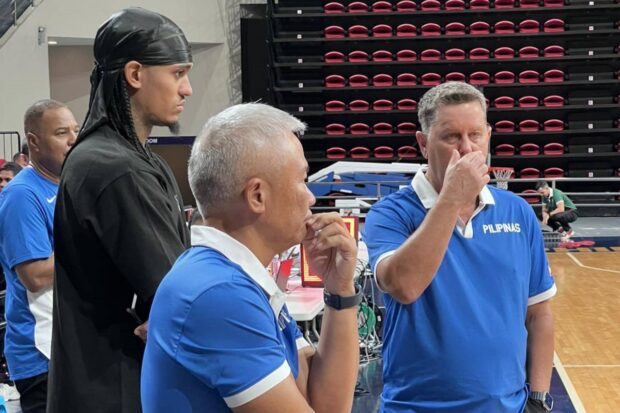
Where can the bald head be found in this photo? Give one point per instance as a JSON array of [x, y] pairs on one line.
[[241, 142]]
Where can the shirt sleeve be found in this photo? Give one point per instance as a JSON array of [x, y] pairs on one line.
[[230, 343], [26, 233], [542, 286], [385, 230], [138, 228]]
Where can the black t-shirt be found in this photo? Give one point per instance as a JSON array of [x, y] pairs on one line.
[[118, 228]]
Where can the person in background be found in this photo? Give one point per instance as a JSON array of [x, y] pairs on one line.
[[8, 172], [558, 209]]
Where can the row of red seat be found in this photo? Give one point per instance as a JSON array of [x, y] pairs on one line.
[[408, 6], [529, 125], [362, 152], [501, 102], [433, 79], [380, 128], [477, 53], [450, 29], [529, 149]]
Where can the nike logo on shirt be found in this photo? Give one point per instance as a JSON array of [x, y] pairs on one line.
[[50, 200]]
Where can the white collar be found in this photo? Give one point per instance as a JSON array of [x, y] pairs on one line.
[[242, 256], [427, 194]]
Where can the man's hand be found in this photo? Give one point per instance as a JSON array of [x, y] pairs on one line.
[[331, 252], [141, 330], [465, 177]]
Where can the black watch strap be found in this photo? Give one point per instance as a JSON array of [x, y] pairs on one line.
[[340, 303]]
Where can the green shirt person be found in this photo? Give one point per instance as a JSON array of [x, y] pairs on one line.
[[558, 209]]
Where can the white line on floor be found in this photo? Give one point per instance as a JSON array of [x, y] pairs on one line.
[[588, 366], [572, 257], [568, 385]]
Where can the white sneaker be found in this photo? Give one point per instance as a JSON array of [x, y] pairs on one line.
[[8, 392]]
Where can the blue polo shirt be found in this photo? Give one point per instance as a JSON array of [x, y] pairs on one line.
[[26, 220], [461, 346], [219, 333]]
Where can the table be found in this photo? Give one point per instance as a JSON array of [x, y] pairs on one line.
[[304, 304]]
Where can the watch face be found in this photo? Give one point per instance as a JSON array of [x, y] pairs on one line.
[[548, 402]]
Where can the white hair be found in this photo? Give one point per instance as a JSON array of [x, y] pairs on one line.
[[223, 152], [449, 93]]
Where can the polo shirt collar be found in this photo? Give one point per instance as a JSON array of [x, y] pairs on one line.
[[427, 194], [240, 254]]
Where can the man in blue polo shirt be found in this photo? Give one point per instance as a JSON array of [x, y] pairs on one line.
[[220, 337], [27, 251], [465, 276]]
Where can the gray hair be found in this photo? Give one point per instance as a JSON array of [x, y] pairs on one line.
[[449, 93], [221, 157]]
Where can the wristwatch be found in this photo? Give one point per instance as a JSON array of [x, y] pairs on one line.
[[338, 302], [545, 399]]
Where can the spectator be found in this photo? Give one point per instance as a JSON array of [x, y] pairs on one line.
[[23, 157], [8, 172], [558, 209]]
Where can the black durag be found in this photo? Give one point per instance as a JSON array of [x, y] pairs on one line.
[[131, 34]]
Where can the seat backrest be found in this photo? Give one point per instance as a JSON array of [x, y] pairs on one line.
[[479, 78], [335, 129], [335, 152], [504, 52], [553, 76], [455, 77], [406, 55], [358, 105], [504, 26], [431, 29], [553, 172], [333, 57], [528, 102], [430, 54], [504, 126], [454, 54], [357, 30], [406, 104], [407, 152], [359, 129], [553, 148], [529, 173], [360, 152], [455, 29], [406, 6], [358, 80], [553, 100], [382, 79], [479, 27], [358, 7], [406, 79], [478, 4], [529, 26], [503, 102], [529, 125], [553, 125], [382, 128], [455, 5], [504, 76], [357, 56], [529, 76], [529, 52], [406, 30], [504, 4], [384, 152], [529, 149], [382, 56], [529, 4], [333, 7], [505, 149], [334, 81], [382, 30], [554, 3], [431, 79], [479, 53], [406, 128], [333, 32], [430, 5], [335, 106], [382, 7], [382, 104], [553, 26], [553, 50]]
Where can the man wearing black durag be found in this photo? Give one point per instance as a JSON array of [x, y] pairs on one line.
[[118, 215]]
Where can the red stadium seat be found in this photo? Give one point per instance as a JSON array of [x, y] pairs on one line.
[[406, 79], [529, 173], [504, 4], [553, 172], [529, 4], [358, 56], [553, 51], [529, 26], [407, 152], [553, 148], [382, 30], [406, 55], [358, 105], [382, 56], [359, 129], [406, 104], [406, 30], [479, 28], [554, 3], [531, 196], [478, 4], [430, 29], [430, 54], [382, 104], [529, 149], [382, 7], [358, 31], [406, 6], [479, 78], [528, 102], [360, 152], [382, 79], [529, 125], [333, 57], [406, 128], [358, 80], [336, 152], [529, 76], [431, 79], [553, 26], [479, 53], [455, 77], [384, 152], [553, 101], [504, 77], [335, 106], [333, 8], [529, 52], [504, 26], [455, 29], [382, 128], [504, 126], [335, 81], [553, 125], [358, 7], [504, 52], [504, 102], [335, 129], [454, 54], [455, 5], [430, 5], [505, 149], [553, 76], [334, 32]]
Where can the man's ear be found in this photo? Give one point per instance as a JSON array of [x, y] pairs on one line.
[[134, 74], [422, 141], [33, 141], [255, 195]]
